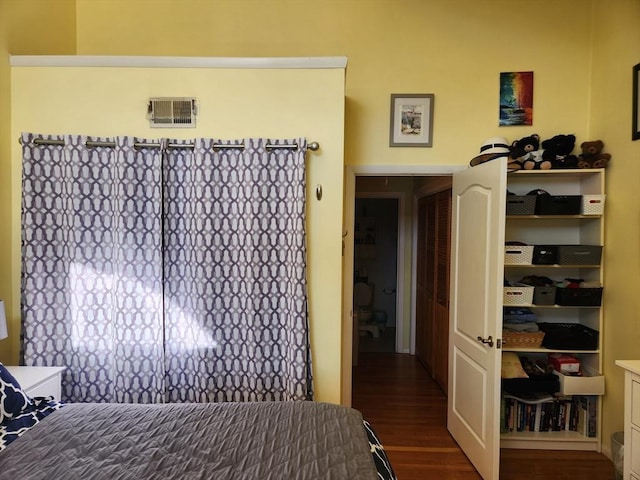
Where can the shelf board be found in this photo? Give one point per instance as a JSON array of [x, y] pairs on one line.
[[558, 171], [551, 217], [546, 350], [563, 440], [562, 307], [555, 265]]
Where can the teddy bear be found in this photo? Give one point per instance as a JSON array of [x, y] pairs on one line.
[[527, 154], [557, 150], [592, 156]]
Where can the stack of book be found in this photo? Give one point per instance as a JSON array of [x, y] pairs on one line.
[[541, 412]]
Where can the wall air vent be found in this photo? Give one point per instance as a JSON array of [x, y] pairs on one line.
[[172, 112]]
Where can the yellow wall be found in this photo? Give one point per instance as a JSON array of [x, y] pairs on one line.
[[581, 53], [452, 48], [616, 48], [232, 103], [34, 27]]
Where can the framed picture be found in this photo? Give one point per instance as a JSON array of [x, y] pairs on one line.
[[516, 98], [635, 134], [411, 120]]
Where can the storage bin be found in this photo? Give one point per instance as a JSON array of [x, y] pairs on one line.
[[592, 205], [521, 204], [518, 254], [558, 204], [512, 339], [590, 383], [579, 254], [518, 294], [579, 297], [568, 336], [544, 254], [544, 295], [547, 383]]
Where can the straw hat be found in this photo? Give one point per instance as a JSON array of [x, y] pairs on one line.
[[492, 148]]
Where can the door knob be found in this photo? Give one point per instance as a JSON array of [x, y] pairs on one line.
[[486, 341]]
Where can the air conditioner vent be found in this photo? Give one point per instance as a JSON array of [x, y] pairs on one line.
[[172, 112]]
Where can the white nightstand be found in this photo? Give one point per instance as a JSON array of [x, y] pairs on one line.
[[39, 381]]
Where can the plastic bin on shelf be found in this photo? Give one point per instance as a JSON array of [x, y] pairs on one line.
[[521, 204], [544, 254], [517, 294], [592, 205], [590, 383], [518, 254], [579, 297], [568, 336], [579, 254], [544, 295], [558, 204]]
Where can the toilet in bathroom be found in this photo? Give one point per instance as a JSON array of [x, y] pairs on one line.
[[362, 303]]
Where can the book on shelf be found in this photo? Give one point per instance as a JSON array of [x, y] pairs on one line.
[[547, 413], [587, 418]]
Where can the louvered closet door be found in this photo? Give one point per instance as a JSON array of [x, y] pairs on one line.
[[432, 295], [423, 350], [442, 258]]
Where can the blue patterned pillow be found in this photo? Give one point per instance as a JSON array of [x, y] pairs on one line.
[[12, 399]]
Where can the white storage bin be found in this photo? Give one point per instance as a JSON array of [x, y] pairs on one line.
[[518, 294], [590, 383], [592, 205], [518, 254]]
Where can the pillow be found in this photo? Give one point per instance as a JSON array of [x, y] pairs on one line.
[[511, 366], [13, 400]]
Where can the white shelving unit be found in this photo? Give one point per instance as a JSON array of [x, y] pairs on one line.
[[559, 230]]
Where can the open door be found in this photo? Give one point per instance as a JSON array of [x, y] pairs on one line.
[[477, 251], [350, 336]]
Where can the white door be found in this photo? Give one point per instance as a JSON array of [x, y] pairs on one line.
[[477, 262], [350, 336]]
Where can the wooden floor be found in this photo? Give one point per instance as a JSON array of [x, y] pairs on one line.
[[408, 411]]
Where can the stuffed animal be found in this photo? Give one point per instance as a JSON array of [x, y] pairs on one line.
[[526, 153], [592, 156], [557, 150]]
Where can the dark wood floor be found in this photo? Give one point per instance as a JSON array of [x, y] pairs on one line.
[[408, 411]]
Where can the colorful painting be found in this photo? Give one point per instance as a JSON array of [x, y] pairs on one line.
[[516, 98]]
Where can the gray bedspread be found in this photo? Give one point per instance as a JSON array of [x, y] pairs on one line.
[[267, 440]]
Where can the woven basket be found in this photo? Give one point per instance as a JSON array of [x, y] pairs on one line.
[[522, 339]]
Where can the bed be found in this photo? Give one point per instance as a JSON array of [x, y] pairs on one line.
[[259, 440]]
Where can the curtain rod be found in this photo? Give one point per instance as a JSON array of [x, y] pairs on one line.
[[90, 143]]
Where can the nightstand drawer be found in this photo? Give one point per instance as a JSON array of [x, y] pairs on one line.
[[47, 388], [634, 447], [39, 381], [635, 406]]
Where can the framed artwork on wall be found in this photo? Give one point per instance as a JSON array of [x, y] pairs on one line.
[[516, 98], [411, 120], [635, 133]]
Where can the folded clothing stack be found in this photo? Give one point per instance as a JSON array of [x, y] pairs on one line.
[[519, 319]]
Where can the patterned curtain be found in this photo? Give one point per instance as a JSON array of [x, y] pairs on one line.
[[235, 272], [92, 267], [166, 276]]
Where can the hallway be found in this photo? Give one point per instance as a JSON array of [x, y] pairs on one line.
[[408, 411]]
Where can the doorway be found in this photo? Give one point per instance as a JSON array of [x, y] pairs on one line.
[[410, 183], [377, 247]]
